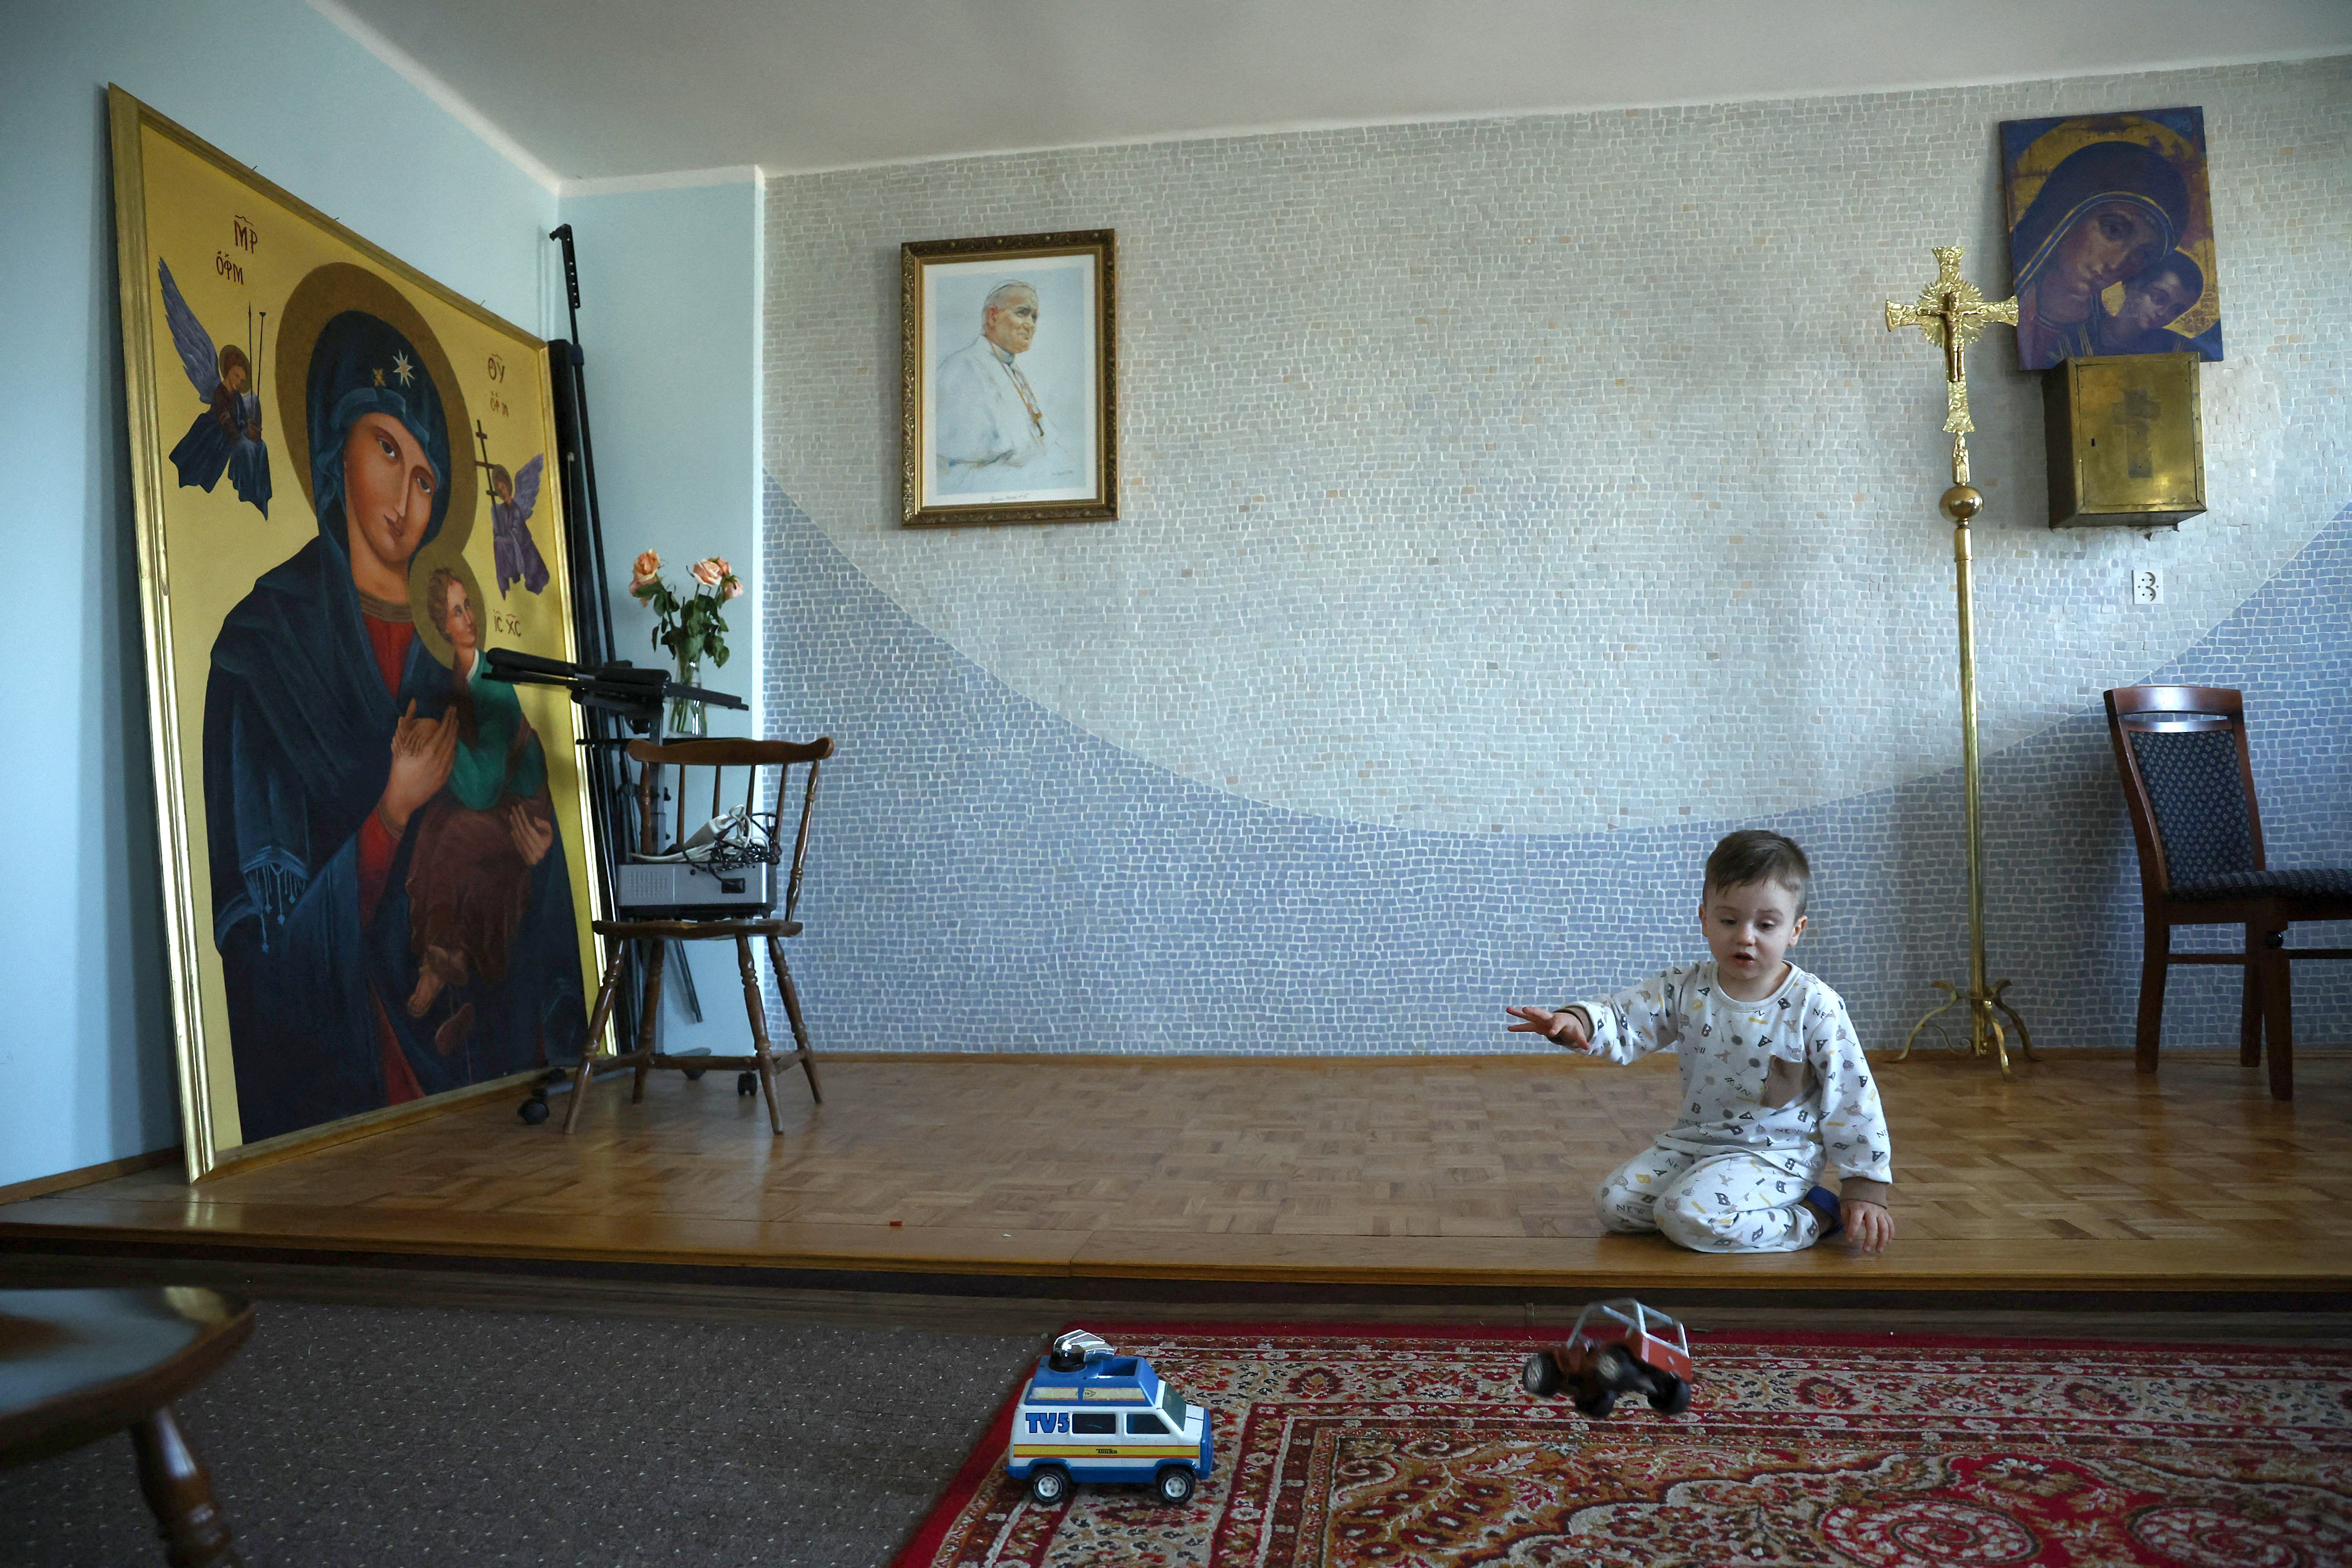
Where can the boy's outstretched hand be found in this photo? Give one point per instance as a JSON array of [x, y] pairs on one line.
[[1868, 1226], [1565, 1027]]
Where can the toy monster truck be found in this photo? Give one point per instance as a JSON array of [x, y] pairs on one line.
[[1617, 1347]]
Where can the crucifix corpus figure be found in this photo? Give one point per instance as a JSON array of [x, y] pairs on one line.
[[1951, 313]]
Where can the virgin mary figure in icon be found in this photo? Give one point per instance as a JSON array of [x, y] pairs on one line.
[[330, 730], [2108, 212]]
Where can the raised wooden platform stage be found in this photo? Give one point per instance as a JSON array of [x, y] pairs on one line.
[[1462, 1180]]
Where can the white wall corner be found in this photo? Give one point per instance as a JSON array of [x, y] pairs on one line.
[[672, 180], [448, 97], [756, 575]]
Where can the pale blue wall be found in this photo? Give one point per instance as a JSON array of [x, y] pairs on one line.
[[86, 1071], [669, 287]]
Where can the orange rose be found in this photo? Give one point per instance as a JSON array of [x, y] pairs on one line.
[[648, 566], [734, 589], [712, 572]]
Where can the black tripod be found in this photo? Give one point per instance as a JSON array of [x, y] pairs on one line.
[[615, 697]]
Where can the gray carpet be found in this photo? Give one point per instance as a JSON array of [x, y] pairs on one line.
[[349, 1437]]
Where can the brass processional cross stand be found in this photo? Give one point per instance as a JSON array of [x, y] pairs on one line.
[[1951, 313]]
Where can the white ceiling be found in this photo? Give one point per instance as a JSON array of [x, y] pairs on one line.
[[601, 90]]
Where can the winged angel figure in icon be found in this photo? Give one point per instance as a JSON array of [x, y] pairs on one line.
[[226, 437], [512, 497]]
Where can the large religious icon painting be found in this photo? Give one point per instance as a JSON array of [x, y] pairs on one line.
[[2111, 236], [1009, 402], [374, 854]]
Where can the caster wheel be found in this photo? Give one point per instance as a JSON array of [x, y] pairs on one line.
[[532, 1110], [747, 1083]]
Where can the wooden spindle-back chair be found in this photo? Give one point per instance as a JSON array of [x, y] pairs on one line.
[[763, 1067]]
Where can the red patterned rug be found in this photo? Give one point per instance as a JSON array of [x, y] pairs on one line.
[[1397, 1447]]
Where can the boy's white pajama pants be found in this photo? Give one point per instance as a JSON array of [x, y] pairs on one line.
[[1731, 1202]]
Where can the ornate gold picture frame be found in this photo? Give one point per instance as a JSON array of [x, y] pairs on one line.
[[374, 859], [1009, 379]]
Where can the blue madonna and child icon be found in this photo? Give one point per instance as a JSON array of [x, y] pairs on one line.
[[2107, 246], [392, 901]]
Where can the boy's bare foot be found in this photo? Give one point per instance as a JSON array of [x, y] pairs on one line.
[[438, 970], [428, 986]]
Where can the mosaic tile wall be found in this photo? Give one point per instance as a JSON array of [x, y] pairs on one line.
[[1515, 507]]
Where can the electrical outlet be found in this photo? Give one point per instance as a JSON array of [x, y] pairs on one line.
[[2146, 585]]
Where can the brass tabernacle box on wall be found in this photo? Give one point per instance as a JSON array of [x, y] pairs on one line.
[[2126, 443]]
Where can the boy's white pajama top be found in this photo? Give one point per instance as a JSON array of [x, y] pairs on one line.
[[1772, 1091]]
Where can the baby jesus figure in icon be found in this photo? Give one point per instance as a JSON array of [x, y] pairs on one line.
[[478, 842]]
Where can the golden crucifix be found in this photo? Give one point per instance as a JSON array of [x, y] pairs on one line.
[[1951, 313]]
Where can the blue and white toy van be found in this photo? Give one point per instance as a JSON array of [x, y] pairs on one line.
[[1092, 1414]]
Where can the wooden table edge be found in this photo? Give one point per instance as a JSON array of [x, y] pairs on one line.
[[115, 1406]]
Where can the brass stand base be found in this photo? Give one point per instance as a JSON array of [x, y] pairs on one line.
[[1985, 1037]]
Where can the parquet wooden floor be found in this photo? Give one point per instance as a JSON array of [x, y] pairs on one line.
[[2082, 1175]]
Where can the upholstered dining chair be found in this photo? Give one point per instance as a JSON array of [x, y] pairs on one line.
[[763, 1067], [2189, 777]]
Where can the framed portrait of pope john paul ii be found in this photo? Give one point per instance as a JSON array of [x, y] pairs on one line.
[[374, 857], [1009, 383]]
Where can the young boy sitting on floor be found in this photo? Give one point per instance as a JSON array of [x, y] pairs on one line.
[[1775, 1086]]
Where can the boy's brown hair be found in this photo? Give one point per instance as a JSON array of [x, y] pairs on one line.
[[1753, 855], [439, 586]]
